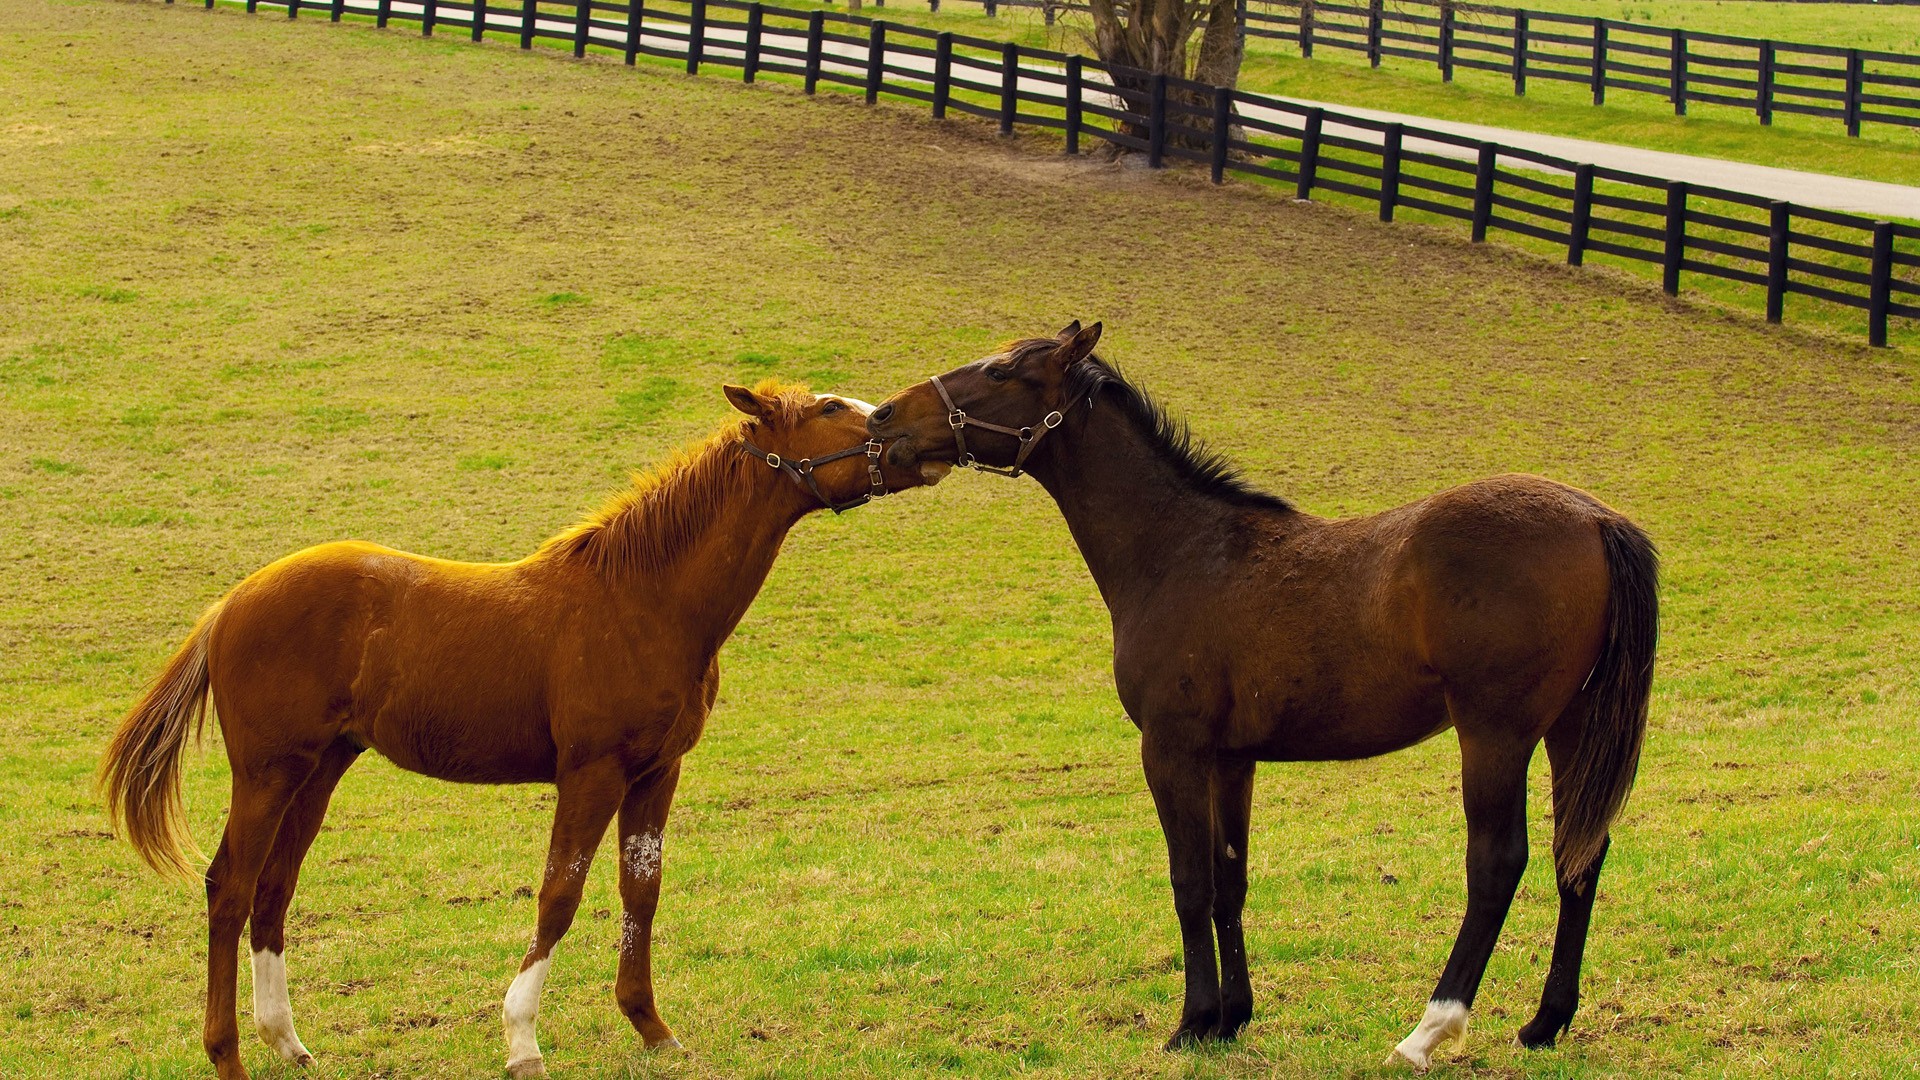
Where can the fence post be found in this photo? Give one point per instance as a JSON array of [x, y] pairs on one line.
[[429, 14], [993, 8], [251, 5], [1239, 14], [1677, 79], [1880, 284], [1763, 92], [1222, 131], [942, 74], [1373, 33], [696, 36], [1047, 11], [636, 20], [1309, 153], [1306, 29], [528, 8], [582, 19], [479, 19], [816, 26], [1599, 76], [1157, 123], [1483, 192], [933, 6], [1390, 170], [1519, 52], [1777, 240], [756, 23], [876, 58], [1009, 86], [293, 9], [380, 16], [333, 14], [1676, 246], [1856, 77], [1582, 222], [1446, 41], [1073, 104]]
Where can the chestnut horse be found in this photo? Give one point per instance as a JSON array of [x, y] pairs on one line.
[[1512, 610], [590, 664]]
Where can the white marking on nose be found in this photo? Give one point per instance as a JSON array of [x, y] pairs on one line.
[[1444, 1022], [272, 1010], [520, 1010], [865, 408], [643, 854]]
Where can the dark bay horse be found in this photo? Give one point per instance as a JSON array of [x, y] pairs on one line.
[[1513, 610], [590, 664]]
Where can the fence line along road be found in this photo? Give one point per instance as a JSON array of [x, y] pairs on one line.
[[1853, 86], [1582, 208]]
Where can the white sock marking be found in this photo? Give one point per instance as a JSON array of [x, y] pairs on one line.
[[272, 1010], [520, 1010], [1444, 1022]]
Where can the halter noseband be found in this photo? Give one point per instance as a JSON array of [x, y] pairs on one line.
[[802, 472], [958, 420]]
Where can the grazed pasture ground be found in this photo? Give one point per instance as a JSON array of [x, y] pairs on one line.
[[263, 286]]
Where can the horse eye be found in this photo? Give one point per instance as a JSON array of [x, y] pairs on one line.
[[830, 408], [997, 374]]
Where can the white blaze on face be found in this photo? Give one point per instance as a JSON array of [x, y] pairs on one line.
[[521, 1009], [861, 407], [272, 1010], [1444, 1022]]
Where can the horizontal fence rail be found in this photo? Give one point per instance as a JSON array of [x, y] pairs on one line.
[[1853, 86], [1585, 210]]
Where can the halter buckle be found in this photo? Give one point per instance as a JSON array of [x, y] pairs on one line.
[[773, 460], [1052, 420], [956, 419]]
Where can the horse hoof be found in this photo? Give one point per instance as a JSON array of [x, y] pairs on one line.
[[530, 1069], [1419, 1064], [304, 1060], [668, 1043]]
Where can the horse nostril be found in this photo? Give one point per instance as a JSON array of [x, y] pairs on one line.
[[881, 415]]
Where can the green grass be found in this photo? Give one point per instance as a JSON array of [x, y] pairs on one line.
[[1882, 152], [915, 839]]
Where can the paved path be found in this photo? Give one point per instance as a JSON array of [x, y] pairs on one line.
[[1801, 188]]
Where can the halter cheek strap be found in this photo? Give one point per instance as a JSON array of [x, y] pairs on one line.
[[959, 421], [802, 472]]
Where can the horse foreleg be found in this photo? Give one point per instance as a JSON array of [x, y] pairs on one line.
[[1494, 788], [1182, 793], [1233, 809], [643, 824], [272, 1009], [1562, 994], [259, 800], [587, 800]]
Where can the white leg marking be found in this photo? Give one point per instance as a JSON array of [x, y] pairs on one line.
[[1444, 1022], [272, 1010], [521, 1008], [643, 854]]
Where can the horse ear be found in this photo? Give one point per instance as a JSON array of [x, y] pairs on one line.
[[1079, 346], [1066, 335], [746, 400]]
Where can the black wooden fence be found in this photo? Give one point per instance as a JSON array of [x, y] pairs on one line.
[[1854, 86], [1585, 209]]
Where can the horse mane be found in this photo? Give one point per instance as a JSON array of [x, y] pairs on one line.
[[647, 527], [1204, 469]]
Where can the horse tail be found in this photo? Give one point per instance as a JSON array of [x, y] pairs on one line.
[[1607, 756], [141, 770]]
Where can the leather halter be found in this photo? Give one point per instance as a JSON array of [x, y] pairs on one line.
[[958, 420], [802, 472]]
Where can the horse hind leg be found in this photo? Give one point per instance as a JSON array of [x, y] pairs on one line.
[[260, 799], [1562, 994], [1494, 790], [1233, 811], [272, 1009]]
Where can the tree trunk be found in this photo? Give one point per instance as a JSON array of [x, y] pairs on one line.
[[1153, 37]]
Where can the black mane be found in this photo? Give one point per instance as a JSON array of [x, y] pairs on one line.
[[1205, 470]]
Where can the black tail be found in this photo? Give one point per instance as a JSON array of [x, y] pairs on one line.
[[1608, 754]]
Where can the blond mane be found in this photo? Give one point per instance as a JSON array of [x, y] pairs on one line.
[[647, 527]]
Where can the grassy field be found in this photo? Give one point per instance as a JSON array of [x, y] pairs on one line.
[[1882, 152], [266, 285]]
